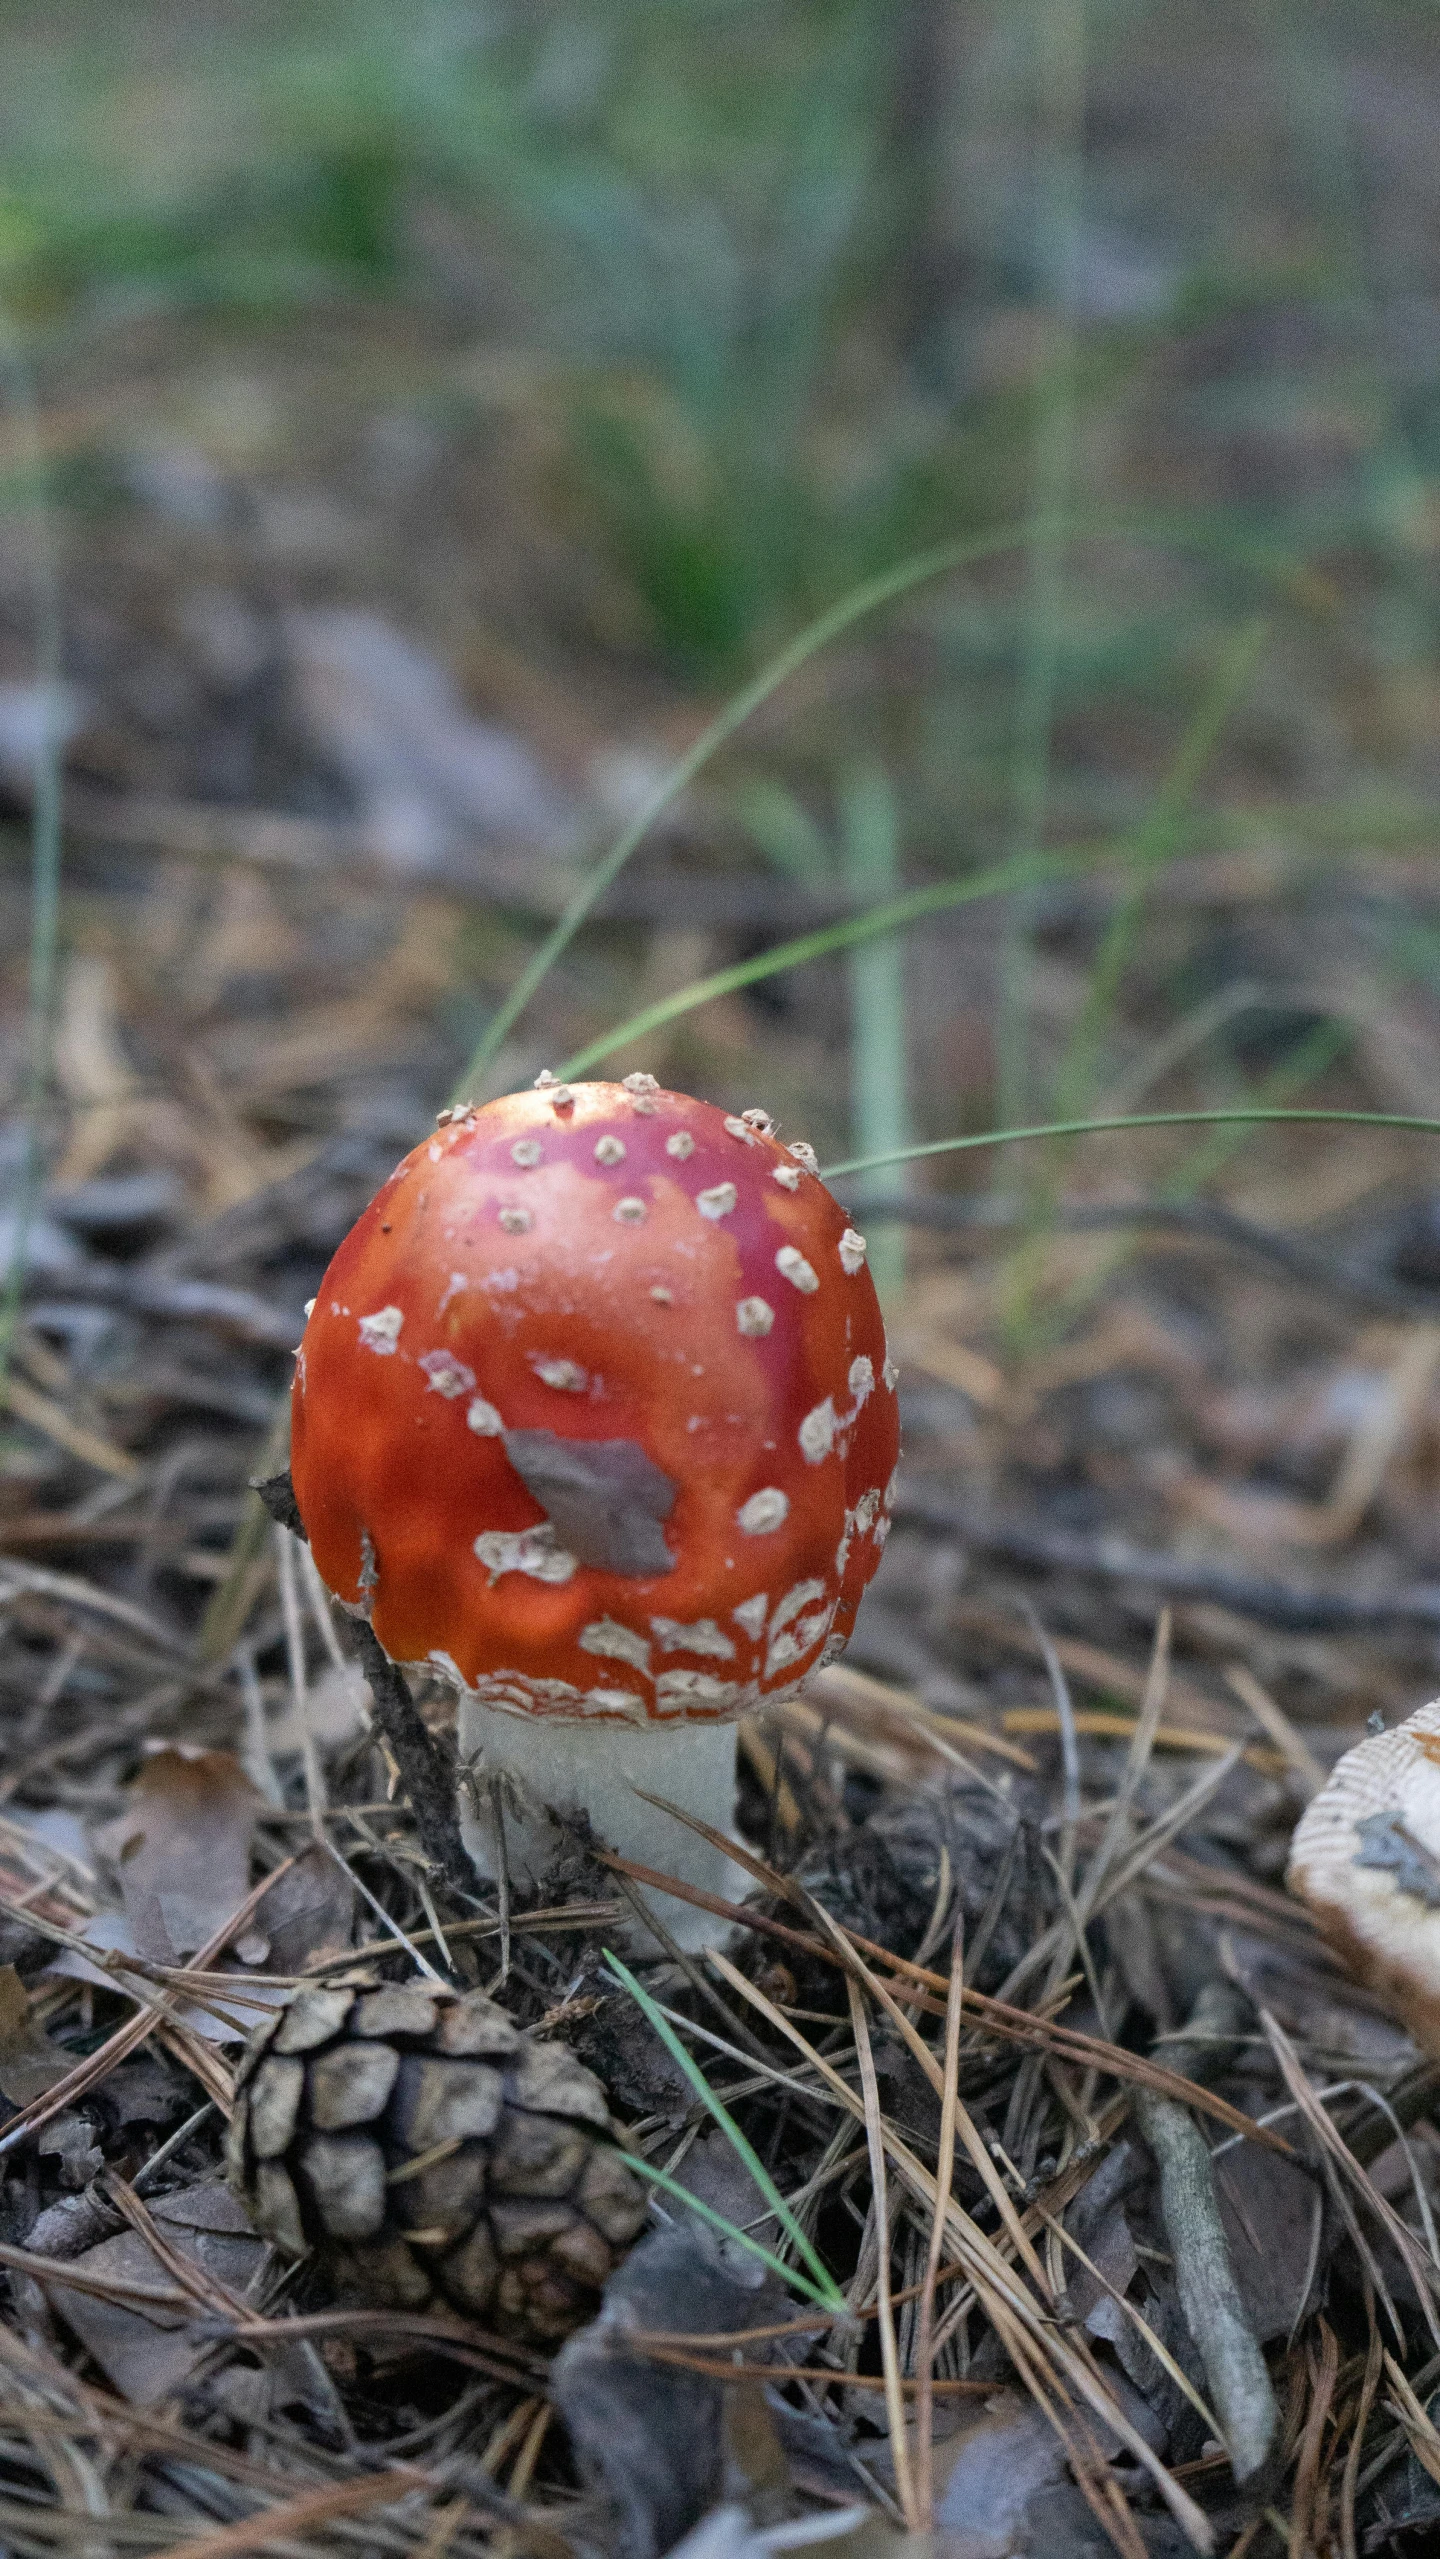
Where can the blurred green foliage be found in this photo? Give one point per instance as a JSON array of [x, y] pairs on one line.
[[685, 194], [768, 245], [809, 284]]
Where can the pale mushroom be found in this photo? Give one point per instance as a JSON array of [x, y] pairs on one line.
[[1366, 1857]]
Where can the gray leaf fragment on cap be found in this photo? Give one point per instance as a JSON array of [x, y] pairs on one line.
[[607, 1499]]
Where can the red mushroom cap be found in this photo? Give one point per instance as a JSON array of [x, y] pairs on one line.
[[593, 1411]]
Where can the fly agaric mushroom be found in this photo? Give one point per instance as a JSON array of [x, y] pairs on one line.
[[593, 1415], [1366, 1857]]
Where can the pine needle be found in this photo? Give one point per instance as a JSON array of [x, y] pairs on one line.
[[880, 2207]]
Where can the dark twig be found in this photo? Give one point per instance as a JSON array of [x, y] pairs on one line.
[[1235, 2368], [498, 874], [1203, 1221], [427, 1771], [1113, 1559], [427, 1768], [174, 1300]]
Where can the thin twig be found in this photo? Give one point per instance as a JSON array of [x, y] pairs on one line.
[[315, 1796], [944, 2178], [1323, 1610], [1069, 1747], [1374, 2355], [426, 1772], [1209, 2295], [880, 2207]]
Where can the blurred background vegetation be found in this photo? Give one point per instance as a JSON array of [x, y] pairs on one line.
[[545, 368]]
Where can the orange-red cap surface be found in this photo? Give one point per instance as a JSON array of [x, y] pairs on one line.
[[593, 1410]]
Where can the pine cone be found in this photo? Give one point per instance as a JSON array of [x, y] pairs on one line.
[[427, 2155]]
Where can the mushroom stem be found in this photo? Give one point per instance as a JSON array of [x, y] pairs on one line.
[[556, 1771], [426, 1772]]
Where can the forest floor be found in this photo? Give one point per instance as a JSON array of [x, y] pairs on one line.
[[1167, 1541]]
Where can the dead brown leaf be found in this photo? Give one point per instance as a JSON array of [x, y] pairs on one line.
[[147, 2353], [29, 2062], [182, 1849], [308, 1910]]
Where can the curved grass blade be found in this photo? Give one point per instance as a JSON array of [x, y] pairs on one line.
[[1021, 871], [30, 491], [852, 607], [831, 2293], [1056, 47], [870, 845], [844, 935], [828, 2299], [1134, 1119], [1300, 1068], [1156, 839], [1267, 563]]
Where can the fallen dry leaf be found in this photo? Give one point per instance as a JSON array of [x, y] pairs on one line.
[[143, 2091], [1001, 2460], [147, 2353], [1269, 2207], [70, 2138], [307, 1911], [335, 1709], [182, 1849], [29, 2062]]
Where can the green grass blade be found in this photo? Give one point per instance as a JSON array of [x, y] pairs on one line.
[[1056, 51], [1310, 1058], [845, 935], [828, 2300], [1264, 560], [784, 830], [879, 1045], [853, 607], [1134, 1119], [1157, 837], [32, 494], [738, 2143]]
